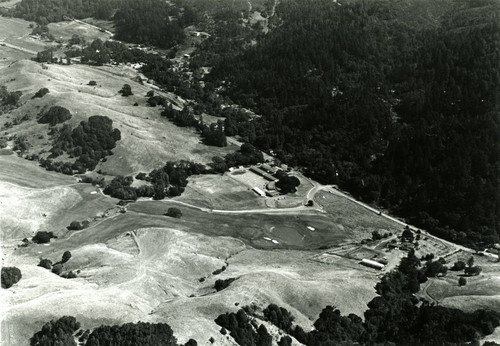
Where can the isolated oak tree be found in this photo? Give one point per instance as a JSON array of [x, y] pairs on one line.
[[126, 90], [10, 276], [174, 212], [66, 256], [45, 263], [57, 269]]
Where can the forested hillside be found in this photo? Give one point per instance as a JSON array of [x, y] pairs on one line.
[[48, 11], [399, 98], [147, 22]]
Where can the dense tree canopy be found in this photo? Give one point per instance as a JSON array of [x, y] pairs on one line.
[[55, 115], [397, 98], [64, 330], [9, 98], [89, 142], [10, 276], [43, 237], [140, 333], [44, 12], [147, 22]]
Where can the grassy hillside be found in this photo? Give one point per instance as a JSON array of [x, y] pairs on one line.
[[148, 140], [142, 265]]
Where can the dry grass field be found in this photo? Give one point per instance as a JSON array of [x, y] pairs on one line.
[[142, 265], [65, 30], [148, 140], [220, 192], [14, 36]]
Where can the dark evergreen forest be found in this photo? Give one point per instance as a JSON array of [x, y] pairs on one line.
[[399, 98]]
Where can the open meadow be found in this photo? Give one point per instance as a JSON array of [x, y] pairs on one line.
[[15, 35]]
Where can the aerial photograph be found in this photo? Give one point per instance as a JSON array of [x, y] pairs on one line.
[[250, 172]]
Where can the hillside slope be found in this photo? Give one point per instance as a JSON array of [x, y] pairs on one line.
[[148, 140], [145, 266]]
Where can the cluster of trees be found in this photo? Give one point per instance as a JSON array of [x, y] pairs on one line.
[[120, 188], [10, 276], [55, 115], [221, 284], [238, 122], [394, 316], [77, 225], [168, 181], [470, 269], [171, 179], [58, 267], [95, 54], [44, 12], [376, 235], [90, 142], [287, 183], [46, 55], [148, 22], [57, 166], [140, 333], [212, 134], [57, 332], [155, 100], [173, 212], [41, 93], [247, 155], [126, 90], [243, 331], [182, 118], [404, 112], [66, 330], [43, 31], [43, 237], [9, 98]]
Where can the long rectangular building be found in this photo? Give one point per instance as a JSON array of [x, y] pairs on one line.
[[259, 191], [263, 174]]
